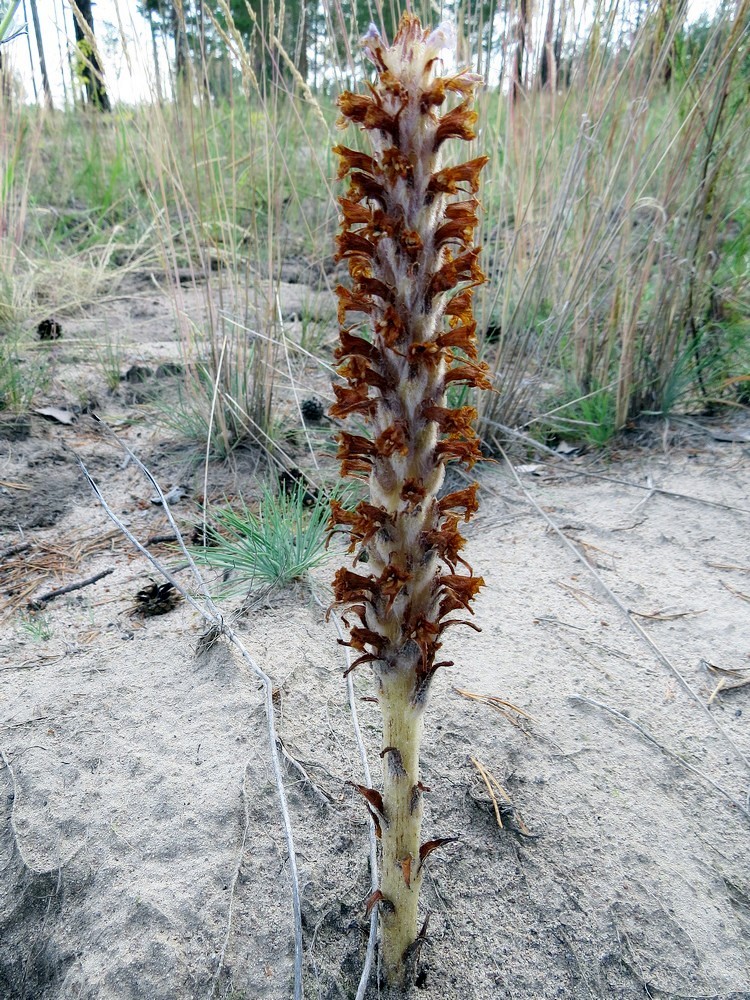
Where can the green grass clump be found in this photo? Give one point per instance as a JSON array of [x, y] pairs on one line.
[[276, 546], [20, 379], [587, 417], [36, 626]]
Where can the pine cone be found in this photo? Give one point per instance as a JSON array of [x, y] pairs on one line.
[[313, 410]]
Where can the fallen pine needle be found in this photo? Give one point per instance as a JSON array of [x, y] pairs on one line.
[[493, 785], [499, 704], [725, 685], [737, 593], [490, 780], [667, 616]]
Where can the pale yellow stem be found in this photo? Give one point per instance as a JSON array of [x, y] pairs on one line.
[[403, 808]]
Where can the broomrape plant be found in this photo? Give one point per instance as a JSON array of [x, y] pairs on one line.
[[407, 234]]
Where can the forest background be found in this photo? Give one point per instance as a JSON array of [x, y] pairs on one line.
[[615, 224]]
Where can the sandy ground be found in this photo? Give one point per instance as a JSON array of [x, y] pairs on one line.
[[141, 845]]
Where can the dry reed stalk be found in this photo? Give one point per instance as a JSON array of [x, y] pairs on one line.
[[407, 233], [608, 220]]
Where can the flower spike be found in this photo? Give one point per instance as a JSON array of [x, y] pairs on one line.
[[407, 334]]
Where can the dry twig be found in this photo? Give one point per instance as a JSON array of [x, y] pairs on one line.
[[210, 613], [666, 616], [575, 698], [499, 704], [657, 489], [637, 628], [39, 602], [737, 593]]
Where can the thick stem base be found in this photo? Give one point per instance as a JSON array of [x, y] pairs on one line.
[[403, 807]]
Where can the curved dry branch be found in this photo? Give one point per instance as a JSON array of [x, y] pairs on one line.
[[628, 615], [210, 613], [373, 933]]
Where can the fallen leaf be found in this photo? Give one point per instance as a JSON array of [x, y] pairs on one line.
[[56, 414], [740, 437]]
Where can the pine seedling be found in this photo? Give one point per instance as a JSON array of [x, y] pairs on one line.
[[407, 234]]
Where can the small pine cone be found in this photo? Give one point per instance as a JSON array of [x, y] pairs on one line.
[[49, 329], [156, 599], [313, 410]]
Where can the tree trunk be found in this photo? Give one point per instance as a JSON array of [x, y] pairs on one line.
[[180, 46], [303, 32], [31, 57], [518, 74], [548, 66], [155, 50], [40, 50], [89, 65], [5, 90]]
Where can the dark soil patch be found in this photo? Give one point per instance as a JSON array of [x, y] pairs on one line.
[[40, 497]]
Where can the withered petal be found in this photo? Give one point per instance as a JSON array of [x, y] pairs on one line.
[[351, 301], [447, 541], [465, 267], [466, 452], [351, 345], [458, 123], [458, 592], [451, 421], [362, 186], [459, 307], [374, 286], [390, 327], [463, 337], [352, 399], [413, 492], [360, 636], [354, 213], [447, 180], [352, 159], [354, 106], [396, 164], [457, 230], [349, 586], [434, 96], [364, 658], [471, 374], [354, 245], [358, 372], [355, 446], [464, 499], [426, 352], [393, 440]]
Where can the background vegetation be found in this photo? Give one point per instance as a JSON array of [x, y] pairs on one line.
[[616, 222]]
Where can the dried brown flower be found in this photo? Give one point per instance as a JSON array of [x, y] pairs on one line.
[[407, 230]]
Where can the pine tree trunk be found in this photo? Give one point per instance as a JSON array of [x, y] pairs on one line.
[[90, 67], [40, 51]]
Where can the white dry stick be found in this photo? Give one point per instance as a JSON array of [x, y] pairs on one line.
[[628, 615], [210, 613], [373, 934], [665, 750], [232, 888]]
